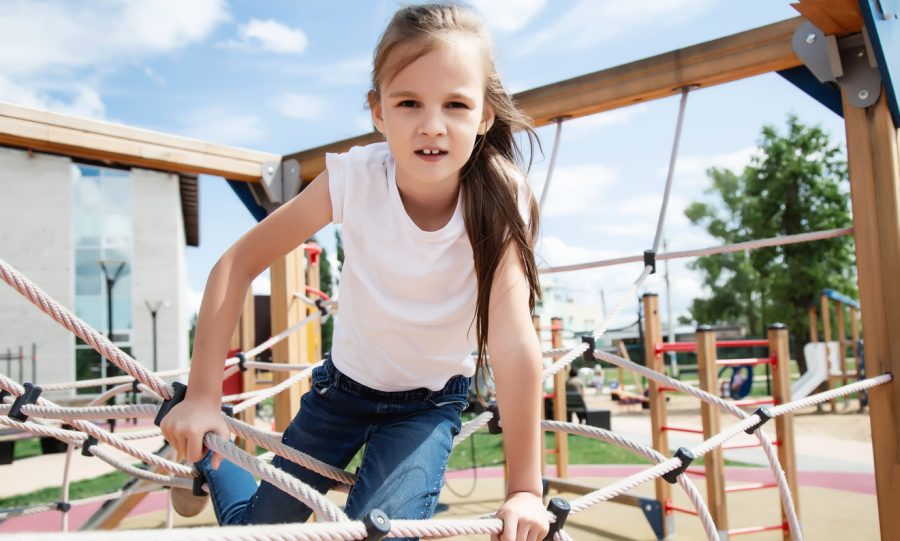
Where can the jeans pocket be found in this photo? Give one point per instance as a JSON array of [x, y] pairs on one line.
[[461, 401], [321, 382]]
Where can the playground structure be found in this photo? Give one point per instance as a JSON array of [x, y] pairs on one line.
[[827, 360], [263, 181]]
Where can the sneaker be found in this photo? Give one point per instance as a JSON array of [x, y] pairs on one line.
[[189, 502]]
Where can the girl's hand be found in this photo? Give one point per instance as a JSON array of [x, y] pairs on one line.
[[187, 423], [524, 518]]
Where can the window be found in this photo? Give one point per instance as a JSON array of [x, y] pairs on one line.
[[102, 226]]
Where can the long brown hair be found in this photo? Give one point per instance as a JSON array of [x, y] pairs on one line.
[[493, 179]]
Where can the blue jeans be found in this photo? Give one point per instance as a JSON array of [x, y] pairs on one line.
[[408, 437]]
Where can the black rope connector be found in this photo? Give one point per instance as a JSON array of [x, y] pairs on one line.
[[29, 396], [494, 426], [242, 361], [228, 409], [179, 391], [686, 457], [320, 304], [3, 394], [63, 506], [378, 525], [134, 386], [764, 414], [589, 352], [560, 509], [197, 488], [650, 259], [86, 446]]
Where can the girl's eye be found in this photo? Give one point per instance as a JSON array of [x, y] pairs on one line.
[[407, 103], [458, 105]]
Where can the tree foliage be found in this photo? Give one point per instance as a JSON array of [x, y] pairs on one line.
[[796, 183]]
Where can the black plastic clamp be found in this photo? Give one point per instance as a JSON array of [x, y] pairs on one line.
[[686, 457], [134, 386], [228, 409], [650, 259], [560, 509], [494, 426], [764, 414], [197, 489], [589, 352], [378, 525], [86, 446], [63, 506], [320, 304], [28, 397], [242, 361], [3, 394], [179, 391]]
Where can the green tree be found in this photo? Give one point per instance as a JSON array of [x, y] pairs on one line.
[[326, 282], [796, 183]]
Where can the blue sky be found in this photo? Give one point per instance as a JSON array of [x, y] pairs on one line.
[[283, 76]]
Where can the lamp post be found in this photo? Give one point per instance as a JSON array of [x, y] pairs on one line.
[[154, 308], [110, 283]]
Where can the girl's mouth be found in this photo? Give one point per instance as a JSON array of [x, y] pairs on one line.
[[431, 155]]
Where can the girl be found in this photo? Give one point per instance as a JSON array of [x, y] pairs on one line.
[[439, 229]]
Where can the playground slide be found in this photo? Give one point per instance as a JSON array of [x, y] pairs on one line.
[[817, 368]]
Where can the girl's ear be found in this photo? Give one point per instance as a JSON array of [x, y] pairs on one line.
[[487, 121], [376, 110]]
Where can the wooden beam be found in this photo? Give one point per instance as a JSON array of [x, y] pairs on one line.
[[127, 146], [288, 277], [714, 461], [723, 60], [784, 424], [874, 163]]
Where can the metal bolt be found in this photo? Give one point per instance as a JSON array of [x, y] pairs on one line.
[[270, 169], [863, 94], [810, 39], [860, 53], [380, 520]]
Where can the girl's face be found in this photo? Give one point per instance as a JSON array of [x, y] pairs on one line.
[[431, 111]]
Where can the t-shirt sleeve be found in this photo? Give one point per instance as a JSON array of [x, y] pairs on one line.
[[337, 182]]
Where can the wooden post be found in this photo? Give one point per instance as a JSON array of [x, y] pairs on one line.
[[826, 332], [653, 337], [873, 157], [784, 424], [813, 325], [287, 276], [714, 461], [559, 404], [246, 336]]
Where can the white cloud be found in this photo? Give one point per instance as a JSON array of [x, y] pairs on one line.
[[508, 15], [589, 23], [224, 126], [690, 170], [37, 37], [262, 285], [269, 35], [77, 99], [349, 71], [300, 106], [574, 188]]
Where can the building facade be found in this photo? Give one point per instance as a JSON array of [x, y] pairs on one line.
[[59, 220]]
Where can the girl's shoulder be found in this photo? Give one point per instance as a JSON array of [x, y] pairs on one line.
[[375, 154]]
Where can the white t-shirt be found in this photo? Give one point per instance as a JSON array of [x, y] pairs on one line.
[[407, 296]]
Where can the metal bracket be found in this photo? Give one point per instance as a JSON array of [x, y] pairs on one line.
[[653, 512], [847, 62], [279, 182]]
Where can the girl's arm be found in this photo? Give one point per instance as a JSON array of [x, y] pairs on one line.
[[516, 363], [230, 278]]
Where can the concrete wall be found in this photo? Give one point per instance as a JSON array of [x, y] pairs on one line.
[[36, 239], [159, 269]]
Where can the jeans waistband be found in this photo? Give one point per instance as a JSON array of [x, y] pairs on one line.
[[455, 385]]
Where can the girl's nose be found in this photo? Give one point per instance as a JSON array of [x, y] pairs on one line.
[[432, 124]]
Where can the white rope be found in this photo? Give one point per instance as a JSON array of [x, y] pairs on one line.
[[679, 124], [275, 389], [550, 168], [782, 240]]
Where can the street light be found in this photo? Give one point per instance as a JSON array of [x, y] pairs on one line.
[[110, 283], [154, 308]]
